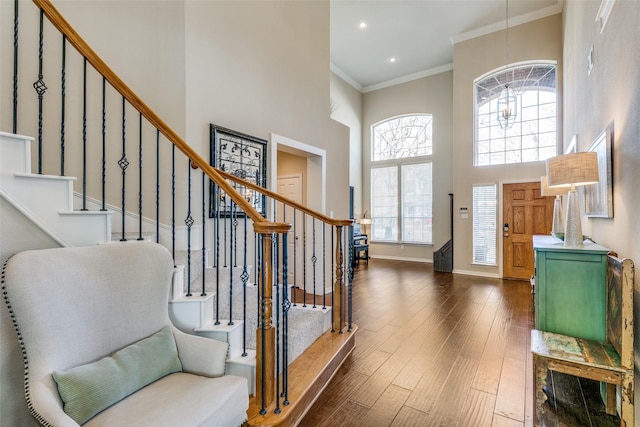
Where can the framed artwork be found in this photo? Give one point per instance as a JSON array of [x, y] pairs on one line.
[[241, 155], [598, 198]]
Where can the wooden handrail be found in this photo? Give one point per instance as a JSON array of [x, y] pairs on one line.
[[285, 200], [58, 21]]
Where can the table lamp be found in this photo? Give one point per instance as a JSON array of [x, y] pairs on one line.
[[574, 169], [364, 222], [557, 227]]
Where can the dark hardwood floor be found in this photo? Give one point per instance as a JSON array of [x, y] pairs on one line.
[[434, 349]]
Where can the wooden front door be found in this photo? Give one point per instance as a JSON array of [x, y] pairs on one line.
[[526, 213]]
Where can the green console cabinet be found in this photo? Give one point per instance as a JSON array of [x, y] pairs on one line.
[[570, 288]]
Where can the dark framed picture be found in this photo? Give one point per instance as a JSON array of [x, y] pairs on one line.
[[598, 198], [244, 156]]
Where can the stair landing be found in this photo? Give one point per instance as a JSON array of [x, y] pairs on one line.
[[309, 375]]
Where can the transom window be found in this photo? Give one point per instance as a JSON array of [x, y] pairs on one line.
[[402, 137], [401, 185], [533, 136]]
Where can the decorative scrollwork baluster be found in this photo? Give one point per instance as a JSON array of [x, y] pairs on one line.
[[124, 163]]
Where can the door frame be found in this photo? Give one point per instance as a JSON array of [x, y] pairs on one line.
[[316, 182], [500, 202]]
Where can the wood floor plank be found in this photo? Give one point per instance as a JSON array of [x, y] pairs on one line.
[[488, 375], [477, 409], [511, 390], [371, 362], [342, 385], [500, 421], [386, 408], [409, 417], [350, 415], [457, 342], [378, 383]]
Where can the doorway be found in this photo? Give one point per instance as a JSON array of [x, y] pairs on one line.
[[525, 213], [290, 186]]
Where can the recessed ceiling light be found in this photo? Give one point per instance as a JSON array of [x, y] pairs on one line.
[[362, 25], [392, 59]]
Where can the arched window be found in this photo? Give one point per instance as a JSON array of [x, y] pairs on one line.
[[401, 190], [533, 135]]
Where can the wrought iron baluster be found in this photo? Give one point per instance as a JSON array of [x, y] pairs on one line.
[[224, 226], [286, 305], [233, 222], [349, 283], [276, 253], [84, 134], [157, 186], [245, 279], [304, 259], [173, 203], [324, 265], [40, 88], [140, 177], [284, 219], [188, 222], [63, 86], [314, 259], [294, 285], [104, 144], [217, 201], [234, 247], [204, 235], [342, 236], [124, 163], [15, 64], [333, 280], [261, 320]]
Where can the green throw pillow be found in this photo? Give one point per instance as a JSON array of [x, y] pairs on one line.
[[88, 389]]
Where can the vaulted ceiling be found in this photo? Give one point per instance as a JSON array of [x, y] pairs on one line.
[[403, 40]]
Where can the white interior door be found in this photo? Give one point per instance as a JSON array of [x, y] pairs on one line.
[[290, 186]]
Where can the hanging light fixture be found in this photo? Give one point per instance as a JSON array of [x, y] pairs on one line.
[[507, 101]]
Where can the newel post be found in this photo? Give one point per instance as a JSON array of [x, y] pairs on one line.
[[266, 334]]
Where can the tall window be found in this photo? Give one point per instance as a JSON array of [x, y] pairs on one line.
[[484, 224], [401, 172], [533, 134]]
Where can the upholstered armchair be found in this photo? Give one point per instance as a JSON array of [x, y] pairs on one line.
[[99, 348]]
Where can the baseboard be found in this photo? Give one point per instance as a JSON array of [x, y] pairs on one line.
[[398, 258], [476, 273]]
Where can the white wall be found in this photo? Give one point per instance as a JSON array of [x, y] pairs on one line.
[[259, 67], [430, 95], [346, 103], [610, 94], [537, 40]]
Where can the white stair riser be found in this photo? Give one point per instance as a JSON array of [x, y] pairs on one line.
[[231, 334], [47, 200], [188, 313], [244, 367], [15, 154]]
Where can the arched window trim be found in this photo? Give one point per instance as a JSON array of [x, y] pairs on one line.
[[503, 75], [400, 116], [408, 222]]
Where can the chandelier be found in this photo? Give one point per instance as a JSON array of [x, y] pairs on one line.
[[507, 101]]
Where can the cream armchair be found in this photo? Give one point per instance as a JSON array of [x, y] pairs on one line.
[[99, 348]]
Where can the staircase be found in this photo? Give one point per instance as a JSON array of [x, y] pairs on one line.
[[288, 351], [48, 201]]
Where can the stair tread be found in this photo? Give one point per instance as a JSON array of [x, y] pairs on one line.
[[222, 327], [195, 297]]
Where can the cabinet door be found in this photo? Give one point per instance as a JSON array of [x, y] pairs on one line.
[[572, 300]]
